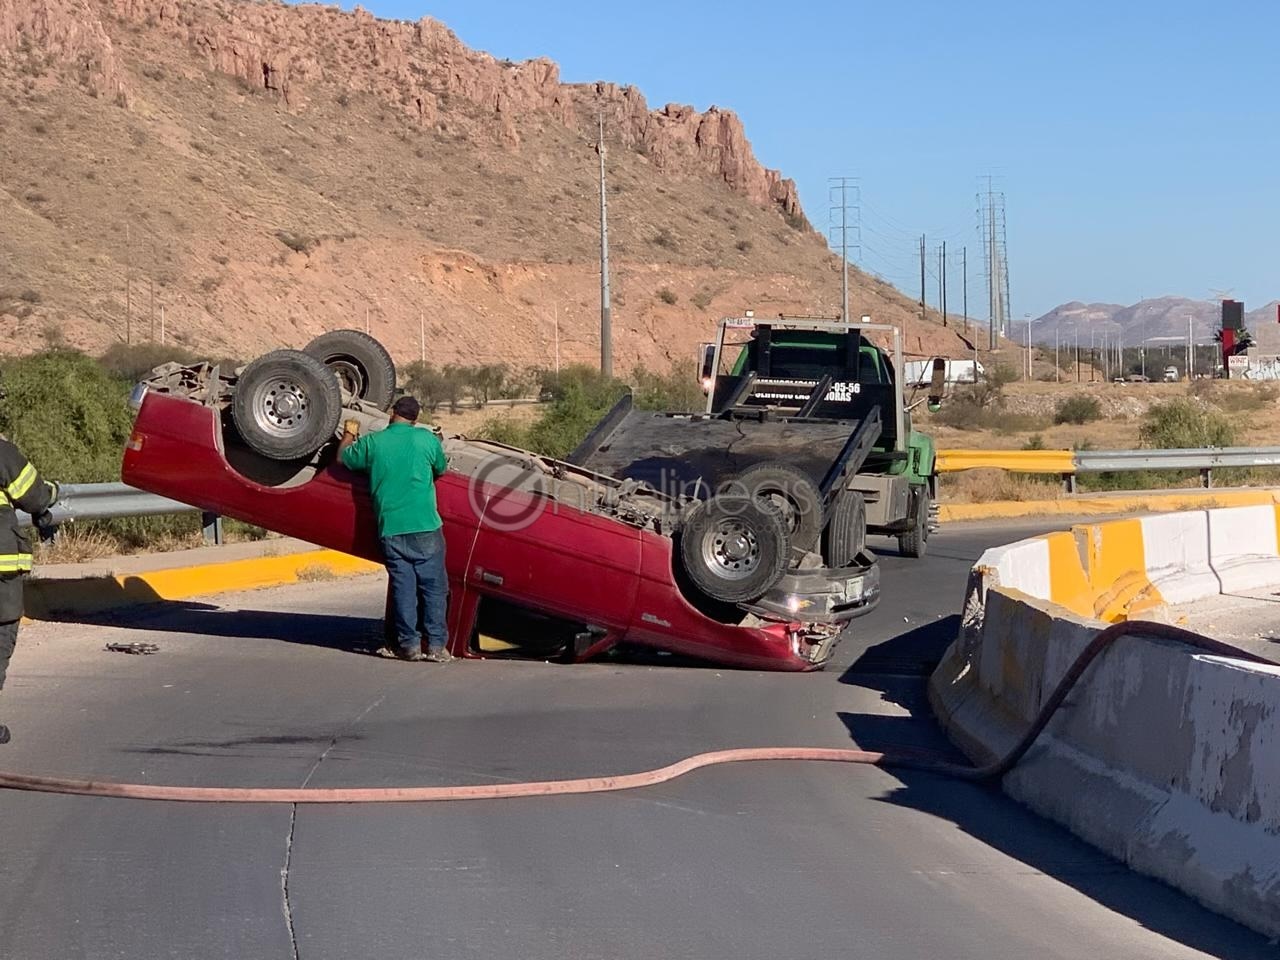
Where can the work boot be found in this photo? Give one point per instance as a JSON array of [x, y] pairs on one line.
[[439, 656], [4, 733]]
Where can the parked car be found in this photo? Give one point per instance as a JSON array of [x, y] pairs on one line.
[[545, 559]]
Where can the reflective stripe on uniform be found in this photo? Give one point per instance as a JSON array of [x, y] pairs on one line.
[[15, 562], [24, 481]]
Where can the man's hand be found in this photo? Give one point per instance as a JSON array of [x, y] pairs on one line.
[[350, 433]]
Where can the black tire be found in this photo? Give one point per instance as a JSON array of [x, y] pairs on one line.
[[362, 364], [846, 533], [912, 542], [734, 548], [286, 405], [793, 492]]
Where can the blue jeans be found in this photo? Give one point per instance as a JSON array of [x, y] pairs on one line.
[[415, 567]]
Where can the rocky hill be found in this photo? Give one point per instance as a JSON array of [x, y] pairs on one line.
[[1160, 317], [246, 174]]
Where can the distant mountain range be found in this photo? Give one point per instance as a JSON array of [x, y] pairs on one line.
[[1161, 317]]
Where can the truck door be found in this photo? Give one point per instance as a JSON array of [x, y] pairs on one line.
[[548, 556]]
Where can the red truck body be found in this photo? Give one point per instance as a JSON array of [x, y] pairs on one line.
[[612, 577]]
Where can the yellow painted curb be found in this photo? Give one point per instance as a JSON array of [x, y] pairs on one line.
[[1119, 503], [49, 597]]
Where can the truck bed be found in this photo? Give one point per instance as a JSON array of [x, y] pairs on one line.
[[691, 454]]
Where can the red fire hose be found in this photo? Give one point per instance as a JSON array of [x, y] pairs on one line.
[[540, 788]]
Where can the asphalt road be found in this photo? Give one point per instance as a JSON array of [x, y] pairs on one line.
[[753, 861]]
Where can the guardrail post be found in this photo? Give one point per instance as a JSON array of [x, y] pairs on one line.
[[1069, 482], [212, 528], [1206, 477]]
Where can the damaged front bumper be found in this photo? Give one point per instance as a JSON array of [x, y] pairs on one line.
[[823, 595]]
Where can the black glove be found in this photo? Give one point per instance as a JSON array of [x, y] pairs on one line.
[[45, 525]]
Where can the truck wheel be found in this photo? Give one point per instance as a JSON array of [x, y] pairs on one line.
[[734, 548], [912, 542], [362, 365], [793, 492], [846, 534], [286, 405]]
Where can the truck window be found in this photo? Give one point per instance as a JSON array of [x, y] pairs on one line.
[[791, 360]]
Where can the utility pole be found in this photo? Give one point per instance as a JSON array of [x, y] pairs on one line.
[[964, 274], [844, 185], [1077, 330], [923, 314], [606, 312], [128, 285], [944, 283], [940, 296], [1191, 352], [162, 324], [422, 338], [1027, 317], [557, 336], [1057, 361]]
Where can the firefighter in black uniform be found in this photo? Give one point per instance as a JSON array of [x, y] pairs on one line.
[[20, 489]]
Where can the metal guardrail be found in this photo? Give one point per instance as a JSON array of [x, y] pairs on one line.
[[1068, 463], [103, 501], [107, 501]]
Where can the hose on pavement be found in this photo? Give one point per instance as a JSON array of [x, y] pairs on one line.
[[897, 759]]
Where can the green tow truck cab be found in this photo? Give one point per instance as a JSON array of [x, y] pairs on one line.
[[818, 369]]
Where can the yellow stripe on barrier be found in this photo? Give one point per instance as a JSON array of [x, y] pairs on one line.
[[1117, 563], [1068, 583], [1018, 461]]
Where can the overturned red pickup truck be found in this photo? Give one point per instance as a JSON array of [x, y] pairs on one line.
[[545, 559]]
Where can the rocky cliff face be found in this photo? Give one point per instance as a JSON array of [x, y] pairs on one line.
[[69, 31], [289, 51]]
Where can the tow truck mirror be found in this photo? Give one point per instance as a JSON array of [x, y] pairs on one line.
[[706, 369], [937, 384]]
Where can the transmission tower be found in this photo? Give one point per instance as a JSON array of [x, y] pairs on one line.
[[844, 219], [991, 229]]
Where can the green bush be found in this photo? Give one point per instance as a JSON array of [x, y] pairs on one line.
[[1078, 409], [67, 414], [1185, 423]]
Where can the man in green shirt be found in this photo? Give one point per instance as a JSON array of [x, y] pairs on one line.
[[403, 463]]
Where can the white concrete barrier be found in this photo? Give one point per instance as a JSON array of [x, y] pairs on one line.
[[1165, 758], [1242, 547], [1176, 555]]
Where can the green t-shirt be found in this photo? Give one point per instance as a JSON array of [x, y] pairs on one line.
[[403, 462]]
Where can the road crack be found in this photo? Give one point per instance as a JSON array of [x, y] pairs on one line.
[[285, 902]]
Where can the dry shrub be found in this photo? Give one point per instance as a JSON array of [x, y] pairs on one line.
[[315, 573], [984, 486], [77, 545]]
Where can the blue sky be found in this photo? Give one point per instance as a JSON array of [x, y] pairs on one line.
[[1137, 142]]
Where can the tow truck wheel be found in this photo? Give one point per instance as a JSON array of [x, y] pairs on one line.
[[286, 405], [846, 534], [734, 548], [793, 492], [363, 366], [912, 542]]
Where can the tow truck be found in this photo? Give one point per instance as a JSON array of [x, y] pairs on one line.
[[545, 558], [806, 411]]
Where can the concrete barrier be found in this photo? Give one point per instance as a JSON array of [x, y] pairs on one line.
[[1161, 756]]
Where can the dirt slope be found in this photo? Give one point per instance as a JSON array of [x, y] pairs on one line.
[[255, 173]]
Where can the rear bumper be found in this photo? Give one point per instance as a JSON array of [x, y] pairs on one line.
[[823, 595]]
